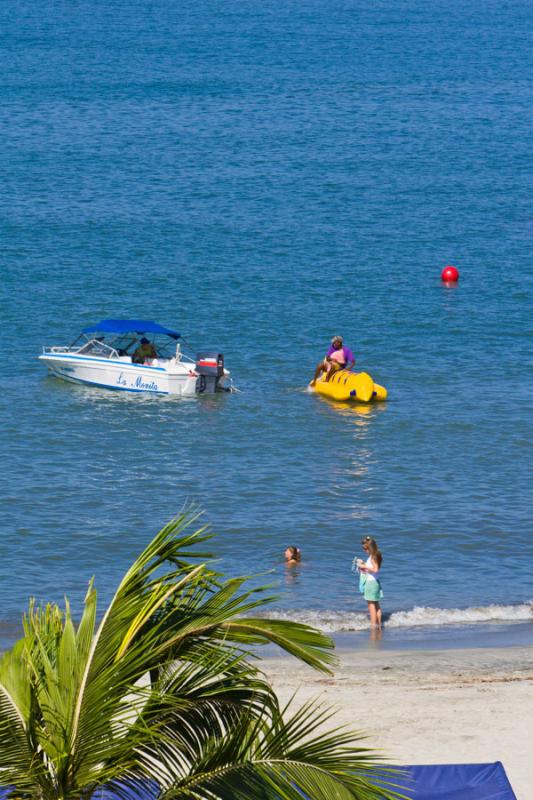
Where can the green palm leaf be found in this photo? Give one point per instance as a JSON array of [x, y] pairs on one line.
[[166, 687]]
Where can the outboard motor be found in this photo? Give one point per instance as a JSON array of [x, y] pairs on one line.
[[210, 368]]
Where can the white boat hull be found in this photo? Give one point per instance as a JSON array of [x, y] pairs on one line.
[[122, 375]]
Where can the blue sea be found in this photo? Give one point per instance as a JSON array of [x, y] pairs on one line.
[[261, 176]]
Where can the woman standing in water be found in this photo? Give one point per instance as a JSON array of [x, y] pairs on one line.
[[370, 584]]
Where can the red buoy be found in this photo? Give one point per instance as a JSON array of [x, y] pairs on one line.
[[450, 274]]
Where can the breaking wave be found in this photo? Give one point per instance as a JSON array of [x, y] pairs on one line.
[[419, 616]]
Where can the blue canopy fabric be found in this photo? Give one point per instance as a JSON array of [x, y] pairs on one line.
[[129, 326], [457, 782], [426, 782], [148, 790], [451, 782]]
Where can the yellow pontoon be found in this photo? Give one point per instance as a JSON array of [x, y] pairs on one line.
[[346, 385]]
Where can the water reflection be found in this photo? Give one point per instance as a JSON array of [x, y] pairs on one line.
[[376, 635], [113, 397], [360, 414], [293, 574], [351, 458]]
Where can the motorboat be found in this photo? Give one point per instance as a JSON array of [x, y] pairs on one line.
[[350, 386], [116, 354]]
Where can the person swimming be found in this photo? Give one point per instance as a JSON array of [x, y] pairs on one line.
[[293, 555]]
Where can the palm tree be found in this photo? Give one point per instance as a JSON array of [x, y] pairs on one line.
[[163, 698]]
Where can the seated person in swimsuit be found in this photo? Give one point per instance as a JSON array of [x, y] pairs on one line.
[[144, 351], [338, 357]]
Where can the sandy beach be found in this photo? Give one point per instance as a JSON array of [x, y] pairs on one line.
[[429, 707]]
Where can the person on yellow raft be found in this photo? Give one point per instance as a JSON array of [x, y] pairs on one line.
[[339, 383], [338, 357]]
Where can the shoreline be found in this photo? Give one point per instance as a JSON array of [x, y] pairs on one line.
[[451, 637], [496, 636], [428, 706]]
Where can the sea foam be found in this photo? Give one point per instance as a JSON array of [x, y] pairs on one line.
[[419, 616]]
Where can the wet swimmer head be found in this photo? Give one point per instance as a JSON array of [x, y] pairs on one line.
[[293, 555]]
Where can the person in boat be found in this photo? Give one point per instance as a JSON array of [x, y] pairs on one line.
[[293, 555], [370, 585], [144, 351], [338, 357]]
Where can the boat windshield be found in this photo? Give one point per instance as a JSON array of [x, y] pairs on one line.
[[126, 344], [97, 347]]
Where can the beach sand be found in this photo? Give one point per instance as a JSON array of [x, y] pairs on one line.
[[430, 707]]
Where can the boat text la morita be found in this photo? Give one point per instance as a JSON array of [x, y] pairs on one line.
[[135, 355]]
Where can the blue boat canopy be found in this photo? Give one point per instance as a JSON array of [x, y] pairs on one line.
[[129, 326], [427, 782], [435, 782]]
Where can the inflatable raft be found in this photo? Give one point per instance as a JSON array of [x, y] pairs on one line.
[[346, 385]]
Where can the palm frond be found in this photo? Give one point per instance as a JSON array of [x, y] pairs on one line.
[[274, 756], [167, 686], [19, 763]]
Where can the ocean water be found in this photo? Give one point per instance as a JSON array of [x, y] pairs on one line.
[[261, 176]]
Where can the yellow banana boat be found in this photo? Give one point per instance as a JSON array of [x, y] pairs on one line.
[[346, 385]]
